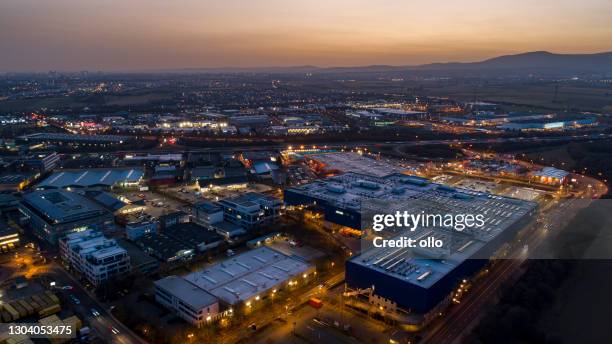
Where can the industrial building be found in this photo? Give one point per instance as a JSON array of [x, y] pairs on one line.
[[140, 227], [549, 125], [55, 213], [140, 261], [414, 279], [418, 279], [93, 178], [228, 230], [250, 276], [9, 236], [41, 162], [207, 213], [238, 281], [96, 257], [17, 181], [191, 303], [250, 120], [165, 248], [196, 236], [551, 175], [73, 139], [220, 176], [178, 242]]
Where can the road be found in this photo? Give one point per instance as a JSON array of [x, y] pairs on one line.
[[348, 145], [264, 319], [52, 271], [309, 325], [102, 324]]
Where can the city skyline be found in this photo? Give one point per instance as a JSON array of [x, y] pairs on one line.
[[70, 35]]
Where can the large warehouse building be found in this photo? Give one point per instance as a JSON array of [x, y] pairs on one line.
[[55, 213], [93, 178], [238, 281], [249, 276], [414, 279]]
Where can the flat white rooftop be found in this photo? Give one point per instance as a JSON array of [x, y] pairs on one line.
[[249, 274], [353, 162], [186, 292]]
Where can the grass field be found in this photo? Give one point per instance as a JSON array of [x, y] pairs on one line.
[[573, 98]]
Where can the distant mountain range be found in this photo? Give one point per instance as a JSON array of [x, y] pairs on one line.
[[539, 62], [536, 59]]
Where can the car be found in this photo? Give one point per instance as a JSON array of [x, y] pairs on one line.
[[114, 330], [75, 300], [67, 287], [94, 312]]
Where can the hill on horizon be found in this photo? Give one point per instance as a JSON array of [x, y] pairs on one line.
[[529, 62]]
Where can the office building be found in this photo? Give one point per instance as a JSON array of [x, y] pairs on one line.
[[251, 209], [97, 258]]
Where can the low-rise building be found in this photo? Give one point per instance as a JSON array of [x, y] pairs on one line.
[[9, 236], [551, 175], [228, 230], [165, 248], [194, 305], [207, 213], [251, 276], [140, 261], [194, 235], [173, 218], [251, 209], [137, 229], [97, 258]]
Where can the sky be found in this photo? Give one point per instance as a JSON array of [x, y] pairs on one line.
[[123, 35]]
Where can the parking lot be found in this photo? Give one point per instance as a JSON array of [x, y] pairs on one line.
[[156, 204], [191, 194]]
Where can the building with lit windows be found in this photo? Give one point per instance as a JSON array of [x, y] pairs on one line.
[[191, 303], [251, 209], [97, 258], [9, 237]]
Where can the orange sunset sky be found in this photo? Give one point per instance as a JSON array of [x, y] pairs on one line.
[[41, 35]]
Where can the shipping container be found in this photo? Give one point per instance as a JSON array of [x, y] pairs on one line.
[[12, 311], [52, 296], [29, 309], [49, 310]]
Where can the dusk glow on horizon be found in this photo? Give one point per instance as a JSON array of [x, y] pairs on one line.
[[144, 35]]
